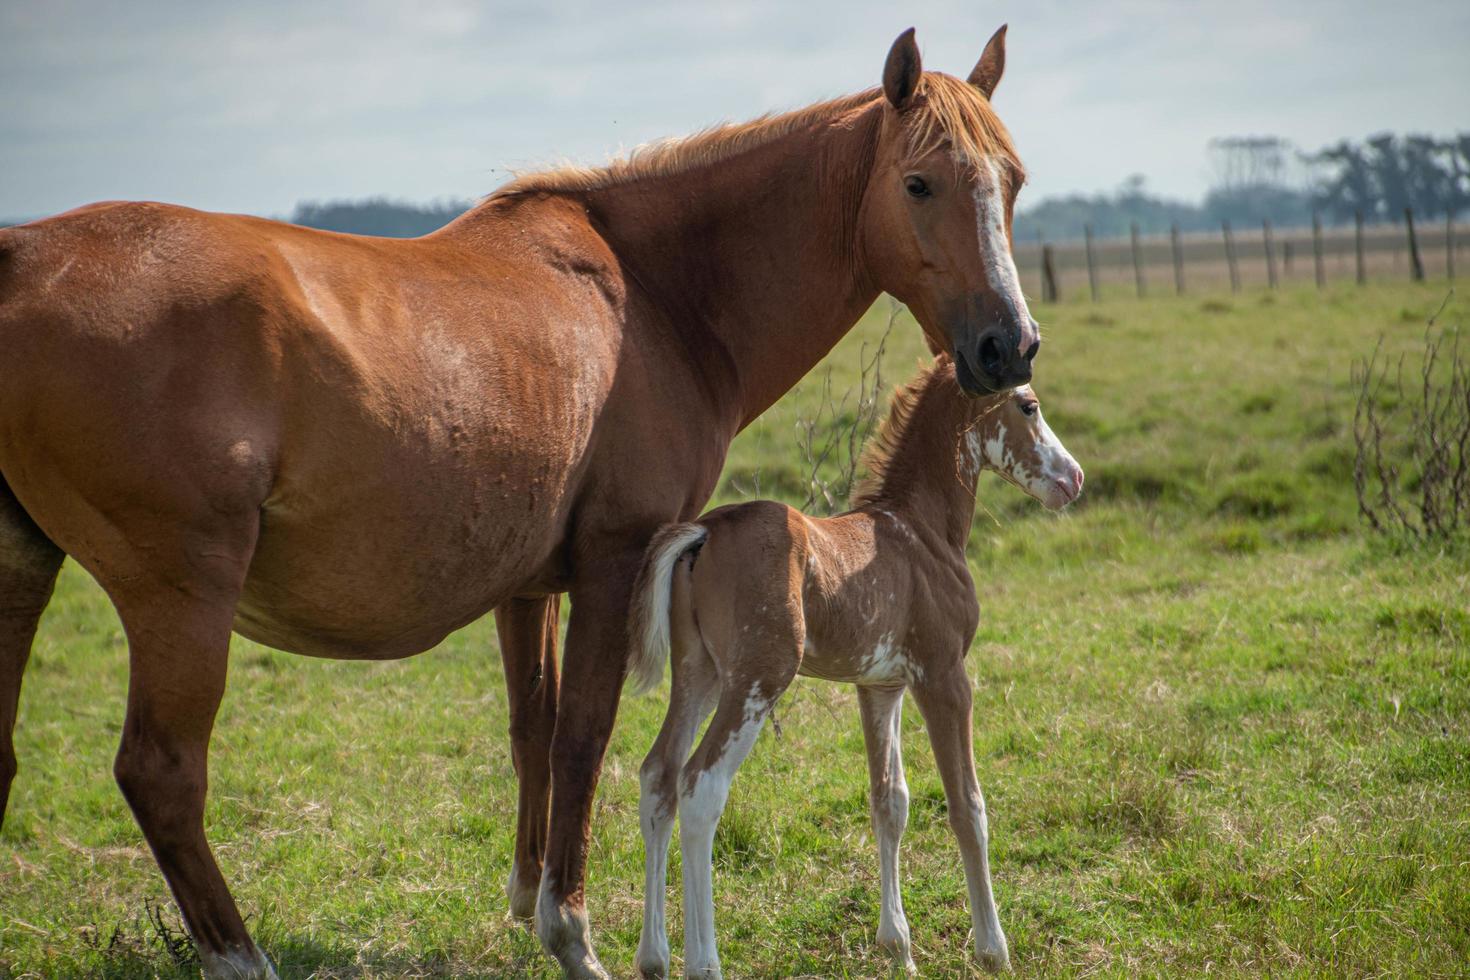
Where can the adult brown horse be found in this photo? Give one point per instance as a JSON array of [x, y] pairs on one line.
[[348, 447]]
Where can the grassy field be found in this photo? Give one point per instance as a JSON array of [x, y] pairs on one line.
[[1219, 730]]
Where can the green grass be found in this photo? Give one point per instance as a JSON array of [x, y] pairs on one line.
[[1219, 729]]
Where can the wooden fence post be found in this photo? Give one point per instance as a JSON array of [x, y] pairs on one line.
[[1178, 259], [1270, 255], [1137, 259], [1449, 246], [1416, 268], [1317, 250], [1040, 248], [1358, 246], [1091, 262], [1049, 290], [1230, 257], [1286, 254]]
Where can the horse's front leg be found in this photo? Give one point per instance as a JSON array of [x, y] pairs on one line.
[[945, 699], [882, 713], [527, 630], [593, 668]]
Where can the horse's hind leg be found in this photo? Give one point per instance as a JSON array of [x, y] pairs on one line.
[[28, 566], [527, 630]]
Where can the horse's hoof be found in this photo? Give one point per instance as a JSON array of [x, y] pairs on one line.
[[522, 896], [563, 932], [237, 964]]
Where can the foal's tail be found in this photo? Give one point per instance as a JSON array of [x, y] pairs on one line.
[[648, 627]]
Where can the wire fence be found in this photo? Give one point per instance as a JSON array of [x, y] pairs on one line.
[[1238, 258]]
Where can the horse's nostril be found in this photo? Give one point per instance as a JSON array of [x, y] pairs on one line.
[[990, 356], [1031, 351]]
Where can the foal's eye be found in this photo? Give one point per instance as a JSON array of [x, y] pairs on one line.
[[1029, 409], [916, 186]]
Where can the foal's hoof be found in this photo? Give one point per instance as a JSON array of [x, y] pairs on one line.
[[653, 969], [898, 948], [994, 959]]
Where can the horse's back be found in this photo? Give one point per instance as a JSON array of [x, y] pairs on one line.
[[370, 402]]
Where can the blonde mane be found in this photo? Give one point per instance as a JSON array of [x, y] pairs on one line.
[[877, 456], [945, 109]]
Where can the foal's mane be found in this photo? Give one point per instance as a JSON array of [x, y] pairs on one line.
[[878, 455], [944, 109]]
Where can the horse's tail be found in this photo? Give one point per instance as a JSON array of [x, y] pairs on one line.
[[648, 627]]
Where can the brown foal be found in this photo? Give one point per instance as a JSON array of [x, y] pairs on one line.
[[753, 594], [348, 447]]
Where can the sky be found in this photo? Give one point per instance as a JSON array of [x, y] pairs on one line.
[[253, 106]]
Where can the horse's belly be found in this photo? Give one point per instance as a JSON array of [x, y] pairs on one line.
[[379, 593]]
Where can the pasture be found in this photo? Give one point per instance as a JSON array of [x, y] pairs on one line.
[[1218, 728]]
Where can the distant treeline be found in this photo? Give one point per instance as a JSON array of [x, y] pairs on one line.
[[1265, 178], [1256, 178], [378, 216]]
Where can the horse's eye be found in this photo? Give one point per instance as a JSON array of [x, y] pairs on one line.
[[916, 186], [1029, 408]]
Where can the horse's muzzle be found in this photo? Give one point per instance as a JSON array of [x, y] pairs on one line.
[[994, 361]]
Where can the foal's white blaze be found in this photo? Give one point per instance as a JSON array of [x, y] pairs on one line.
[[995, 249], [1045, 470]]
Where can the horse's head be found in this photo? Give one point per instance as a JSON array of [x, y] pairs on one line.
[[1013, 439], [936, 223]]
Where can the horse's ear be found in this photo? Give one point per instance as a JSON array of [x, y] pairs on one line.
[[901, 71], [992, 63]]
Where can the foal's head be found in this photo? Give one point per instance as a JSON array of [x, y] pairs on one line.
[[936, 223], [1010, 437]]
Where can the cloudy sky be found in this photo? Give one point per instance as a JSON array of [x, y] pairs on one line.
[[253, 106]]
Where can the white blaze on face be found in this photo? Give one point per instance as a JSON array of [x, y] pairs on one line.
[[995, 248], [1034, 460]]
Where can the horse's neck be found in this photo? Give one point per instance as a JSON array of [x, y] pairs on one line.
[[752, 258]]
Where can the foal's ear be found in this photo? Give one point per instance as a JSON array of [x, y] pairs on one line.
[[901, 71], [992, 63]]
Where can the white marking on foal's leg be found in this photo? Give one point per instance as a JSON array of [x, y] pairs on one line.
[[656, 819], [691, 699], [700, 805], [882, 712], [972, 829]]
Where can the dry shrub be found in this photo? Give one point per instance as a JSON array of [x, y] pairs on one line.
[[831, 438], [1412, 433]]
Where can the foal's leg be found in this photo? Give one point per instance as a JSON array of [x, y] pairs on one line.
[[28, 566], [527, 629], [696, 685], [944, 698], [746, 698], [882, 711]]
